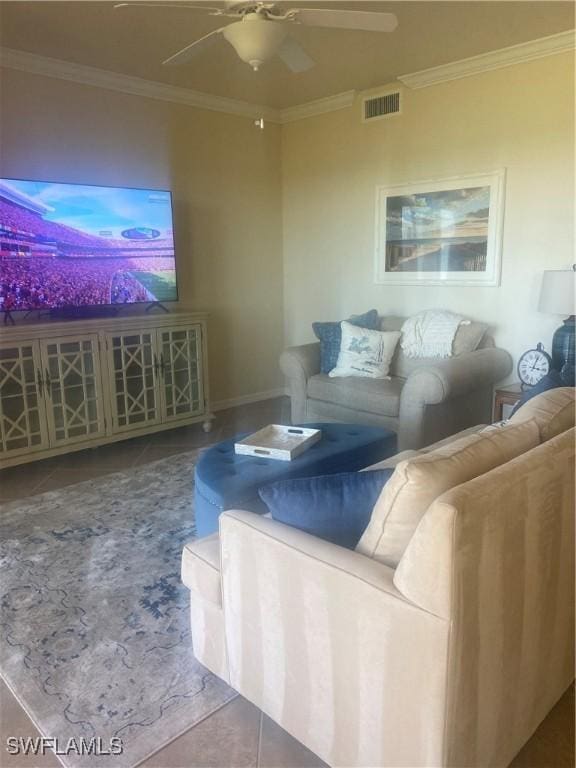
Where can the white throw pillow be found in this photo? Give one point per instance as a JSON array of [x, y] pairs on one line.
[[364, 352]]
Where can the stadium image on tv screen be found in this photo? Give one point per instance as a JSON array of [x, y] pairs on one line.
[[65, 245]]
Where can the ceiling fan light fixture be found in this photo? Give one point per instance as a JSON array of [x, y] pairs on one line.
[[255, 39]]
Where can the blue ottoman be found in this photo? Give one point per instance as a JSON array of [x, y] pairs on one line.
[[225, 480]]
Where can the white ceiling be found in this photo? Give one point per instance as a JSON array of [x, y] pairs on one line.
[[135, 41]]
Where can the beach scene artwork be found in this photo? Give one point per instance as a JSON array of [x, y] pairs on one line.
[[438, 231]]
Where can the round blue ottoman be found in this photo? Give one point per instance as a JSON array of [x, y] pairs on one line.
[[225, 480]]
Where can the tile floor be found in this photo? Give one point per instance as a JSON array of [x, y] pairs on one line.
[[238, 735]]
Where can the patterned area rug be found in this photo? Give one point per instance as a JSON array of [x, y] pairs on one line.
[[95, 638]]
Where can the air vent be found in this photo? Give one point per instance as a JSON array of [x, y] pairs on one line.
[[383, 105]]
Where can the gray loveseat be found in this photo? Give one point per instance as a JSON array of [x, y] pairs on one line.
[[424, 401]]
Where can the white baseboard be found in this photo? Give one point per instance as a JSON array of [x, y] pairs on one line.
[[256, 397]]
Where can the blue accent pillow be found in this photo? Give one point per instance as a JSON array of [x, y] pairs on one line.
[[330, 336], [552, 380], [333, 507]]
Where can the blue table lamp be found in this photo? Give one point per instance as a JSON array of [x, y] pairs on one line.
[[557, 298]]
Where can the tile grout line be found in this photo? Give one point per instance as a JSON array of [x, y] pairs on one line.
[[259, 751], [136, 461], [38, 486]]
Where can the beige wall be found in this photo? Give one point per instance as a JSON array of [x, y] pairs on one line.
[[225, 177], [520, 118], [275, 228]]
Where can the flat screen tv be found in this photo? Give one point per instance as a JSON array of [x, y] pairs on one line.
[[74, 245]]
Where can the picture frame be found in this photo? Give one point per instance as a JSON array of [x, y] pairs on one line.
[[440, 232]]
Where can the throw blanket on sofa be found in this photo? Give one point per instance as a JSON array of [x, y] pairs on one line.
[[431, 333]]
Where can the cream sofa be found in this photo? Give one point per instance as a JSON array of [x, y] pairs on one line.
[[452, 658], [425, 400]]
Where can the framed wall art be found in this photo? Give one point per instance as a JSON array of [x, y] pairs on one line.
[[444, 232]]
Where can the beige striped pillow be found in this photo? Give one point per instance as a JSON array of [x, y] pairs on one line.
[[417, 482]]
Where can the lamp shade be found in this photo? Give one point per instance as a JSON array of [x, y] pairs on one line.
[[557, 292]]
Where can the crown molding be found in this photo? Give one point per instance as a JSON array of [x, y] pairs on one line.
[[485, 62], [317, 107], [135, 86]]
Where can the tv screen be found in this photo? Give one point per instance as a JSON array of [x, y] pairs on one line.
[[74, 245]]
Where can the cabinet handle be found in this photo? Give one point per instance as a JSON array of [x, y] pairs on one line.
[[156, 365], [47, 382], [39, 382], [162, 366]]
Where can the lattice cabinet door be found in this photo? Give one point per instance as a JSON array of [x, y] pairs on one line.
[[181, 369], [23, 426], [134, 367], [74, 403]]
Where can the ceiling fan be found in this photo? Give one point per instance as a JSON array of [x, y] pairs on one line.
[[259, 32]]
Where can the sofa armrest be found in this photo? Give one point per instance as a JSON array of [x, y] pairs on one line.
[[313, 631], [298, 364], [455, 376], [200, 569], [326, 554], [301, 362]]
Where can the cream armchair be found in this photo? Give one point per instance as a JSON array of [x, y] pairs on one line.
[[451, 659], [424, 401]]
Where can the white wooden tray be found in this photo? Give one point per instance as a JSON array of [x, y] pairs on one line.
[[277, 441]]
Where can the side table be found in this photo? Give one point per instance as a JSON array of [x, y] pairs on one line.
[[505, 398]]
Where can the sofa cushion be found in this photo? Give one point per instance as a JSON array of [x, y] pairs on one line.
[[468, 338], [381, 396], [393, 461], [201, 568], [330, 335], [553, 411], [451, 438], [552, 380], [336, 508], [417, 482]]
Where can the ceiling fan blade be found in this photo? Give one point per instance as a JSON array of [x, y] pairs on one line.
[[208, 8], [370, 21], [196, 47], [294, 56]]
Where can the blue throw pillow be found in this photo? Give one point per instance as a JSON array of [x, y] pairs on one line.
[[550, 381], [333, 507], [330, 336]]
